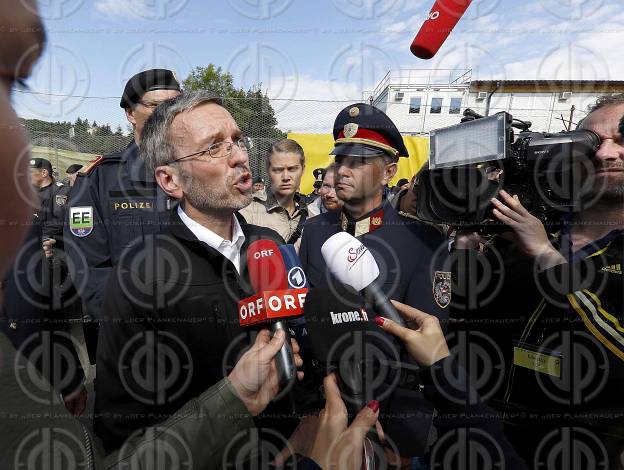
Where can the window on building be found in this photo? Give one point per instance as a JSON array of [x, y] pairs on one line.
[[455, 106], [415, 105], [436, 106]]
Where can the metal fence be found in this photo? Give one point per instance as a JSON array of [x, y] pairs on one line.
[[264, 122]]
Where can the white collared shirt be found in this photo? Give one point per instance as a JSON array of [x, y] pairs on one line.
[[229, 249]]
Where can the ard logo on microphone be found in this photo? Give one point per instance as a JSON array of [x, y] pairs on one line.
[[271, 305]]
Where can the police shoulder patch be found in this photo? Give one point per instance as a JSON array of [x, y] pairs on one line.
[[442, 288], [60, 199], [81, 220]]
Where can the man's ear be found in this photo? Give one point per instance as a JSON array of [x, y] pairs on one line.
[[130, 116], [391, 170], [169, 181]]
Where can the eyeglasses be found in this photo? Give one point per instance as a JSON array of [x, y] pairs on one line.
[[149, 105], [221, 149]]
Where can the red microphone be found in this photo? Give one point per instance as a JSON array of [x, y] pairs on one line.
[[273, 303], [441, 20]]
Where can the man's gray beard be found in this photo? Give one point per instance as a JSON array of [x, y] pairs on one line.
[[608, 196], [207, 198]]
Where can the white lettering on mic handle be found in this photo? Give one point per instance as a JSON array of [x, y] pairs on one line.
[[345, 317], [434, 15], [262, 254]]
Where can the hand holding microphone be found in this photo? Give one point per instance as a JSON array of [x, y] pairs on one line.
[[255, 377], [336, 445], [426, 344]]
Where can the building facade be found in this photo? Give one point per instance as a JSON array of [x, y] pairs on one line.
[[422, 100]]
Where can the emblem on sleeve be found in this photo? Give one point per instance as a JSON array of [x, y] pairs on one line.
[[60, 199], [442, 288], [81, 220]]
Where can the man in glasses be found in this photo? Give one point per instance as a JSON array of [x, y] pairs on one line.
[[116, 201], [170, 325]]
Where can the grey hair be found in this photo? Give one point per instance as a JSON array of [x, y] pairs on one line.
[[602, 102], [157, 148]]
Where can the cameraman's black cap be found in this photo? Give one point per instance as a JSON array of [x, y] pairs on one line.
[[71, 169], [42, 164], [148, 80], [361, 130]]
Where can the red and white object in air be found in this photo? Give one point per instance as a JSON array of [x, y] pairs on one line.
[[441, 20]]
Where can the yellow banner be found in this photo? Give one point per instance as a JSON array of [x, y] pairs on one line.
[[318, 146]]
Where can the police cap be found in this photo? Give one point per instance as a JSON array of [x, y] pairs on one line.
[[148, 80], [71, 169], [42, 164], [257, 179], [361, 130]]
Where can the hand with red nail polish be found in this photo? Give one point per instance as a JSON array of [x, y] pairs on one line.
[[336, 445], [426, 344]]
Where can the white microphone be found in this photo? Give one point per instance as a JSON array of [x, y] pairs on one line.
[[354, 265]]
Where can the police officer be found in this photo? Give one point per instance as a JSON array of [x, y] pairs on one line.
[[115, 200], [410, 255], [72, 173], [52, 197]]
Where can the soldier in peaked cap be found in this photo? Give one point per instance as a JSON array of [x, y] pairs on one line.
[[115, 200], [410, 255]]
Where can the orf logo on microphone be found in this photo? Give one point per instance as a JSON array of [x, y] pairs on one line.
[[271, 305]]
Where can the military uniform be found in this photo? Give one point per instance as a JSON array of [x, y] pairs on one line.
[[411, 257], [51, 215], [115, 202]]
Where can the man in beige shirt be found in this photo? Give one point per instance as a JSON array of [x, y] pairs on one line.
[[282, 208]]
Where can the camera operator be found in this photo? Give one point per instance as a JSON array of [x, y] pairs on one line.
[[556, 313]]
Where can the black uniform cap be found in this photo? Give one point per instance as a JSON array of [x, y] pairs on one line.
[[148, 80], [257, 179], [361, 130], [71, 169], [41, 163]]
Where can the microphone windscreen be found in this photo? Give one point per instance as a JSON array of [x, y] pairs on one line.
[[267, 271], [338, 324], [294, 271], [349, 261], [442, 18]]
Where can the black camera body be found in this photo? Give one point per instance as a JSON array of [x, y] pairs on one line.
[[471, 162]]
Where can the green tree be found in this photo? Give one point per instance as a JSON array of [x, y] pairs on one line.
[[81, 126], [104, 130], [251, 109]]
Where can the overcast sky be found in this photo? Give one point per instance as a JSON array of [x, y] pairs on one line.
[[307, 50]]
